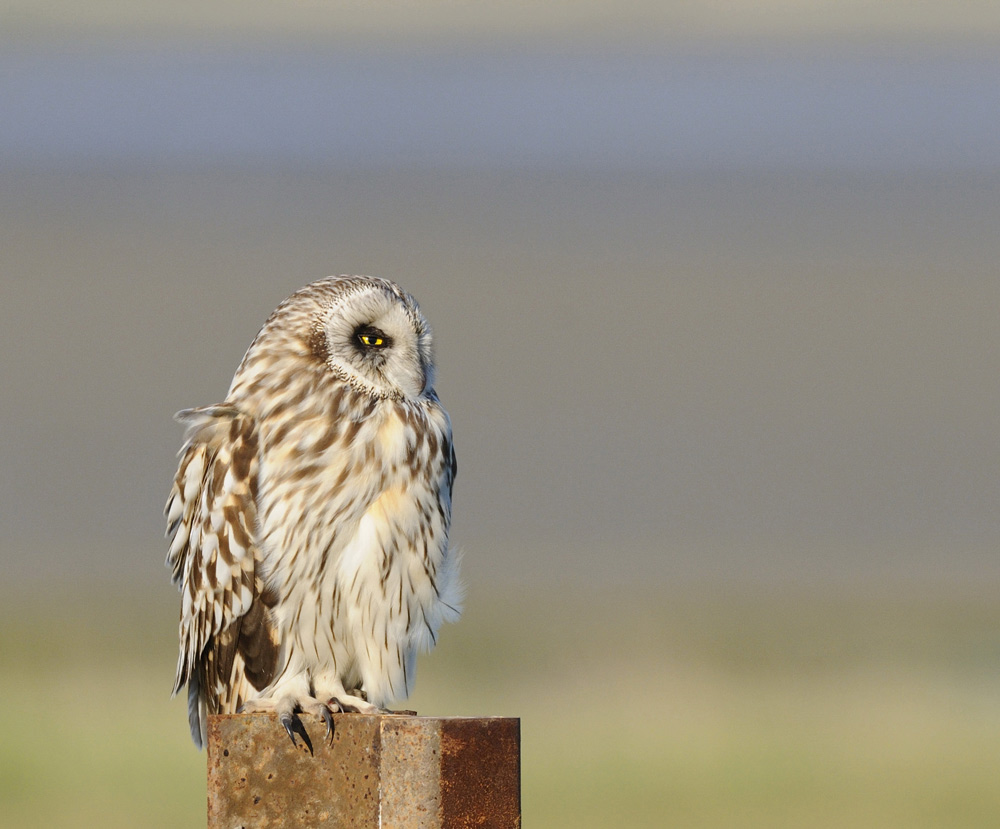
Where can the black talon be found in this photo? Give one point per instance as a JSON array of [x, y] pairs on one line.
[[288, 721], [328, 719]]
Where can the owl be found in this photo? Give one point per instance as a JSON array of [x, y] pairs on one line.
[[308, 520]]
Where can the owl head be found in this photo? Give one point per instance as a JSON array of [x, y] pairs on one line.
[[362, 330], [373, 335], [367, 331]]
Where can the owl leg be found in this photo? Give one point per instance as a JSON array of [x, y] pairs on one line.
[[388, 677]]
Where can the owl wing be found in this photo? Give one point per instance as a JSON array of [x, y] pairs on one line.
[[225, 635]]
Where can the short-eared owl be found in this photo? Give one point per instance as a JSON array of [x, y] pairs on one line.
[[308, 520]]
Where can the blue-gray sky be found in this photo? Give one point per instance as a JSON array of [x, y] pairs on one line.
[[859, 109], [706, 313]]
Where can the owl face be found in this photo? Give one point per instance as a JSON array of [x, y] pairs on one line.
[[374, 336]]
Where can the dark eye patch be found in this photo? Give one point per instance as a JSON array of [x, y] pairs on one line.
[[370, 338]]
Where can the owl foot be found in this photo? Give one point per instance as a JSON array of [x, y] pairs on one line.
[[350, 704], [286, 709]]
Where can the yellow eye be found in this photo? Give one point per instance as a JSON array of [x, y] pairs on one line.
[[369, 337]]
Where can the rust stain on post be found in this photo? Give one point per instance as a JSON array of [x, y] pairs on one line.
[[481, 773], [388, 771]]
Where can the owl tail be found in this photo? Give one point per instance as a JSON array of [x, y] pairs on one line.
[[197, 711]]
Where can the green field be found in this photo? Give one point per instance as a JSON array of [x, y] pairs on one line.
[[703, 710]]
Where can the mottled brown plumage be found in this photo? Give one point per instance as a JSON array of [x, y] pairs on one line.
[[310, 511]]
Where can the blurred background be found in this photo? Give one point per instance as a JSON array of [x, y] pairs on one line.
[[715, 296]]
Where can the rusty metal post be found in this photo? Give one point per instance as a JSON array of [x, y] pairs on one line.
[[380, 771]]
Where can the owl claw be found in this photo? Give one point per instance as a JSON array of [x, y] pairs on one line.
[[328, 719], [288, 721]]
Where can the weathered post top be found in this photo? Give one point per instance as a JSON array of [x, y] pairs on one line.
[[377, 771]]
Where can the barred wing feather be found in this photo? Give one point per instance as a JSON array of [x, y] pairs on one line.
[[211, 518]]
